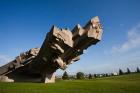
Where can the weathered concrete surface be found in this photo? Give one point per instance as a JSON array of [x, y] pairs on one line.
[[60, 48], [5, 79]]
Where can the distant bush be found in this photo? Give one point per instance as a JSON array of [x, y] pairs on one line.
[[95, 75], [80, 75], [89, 76]]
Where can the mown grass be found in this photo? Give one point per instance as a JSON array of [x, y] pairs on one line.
[[118, 84]]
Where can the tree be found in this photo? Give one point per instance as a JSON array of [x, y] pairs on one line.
[[120, 72], [80, 75], [138, 70], [128, 71], [95, 75], [65, 76], [89, 76], [106, 75]]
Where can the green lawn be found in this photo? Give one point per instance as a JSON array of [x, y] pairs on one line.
[[119, 84]]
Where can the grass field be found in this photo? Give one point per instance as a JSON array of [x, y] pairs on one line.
[[118, 84]]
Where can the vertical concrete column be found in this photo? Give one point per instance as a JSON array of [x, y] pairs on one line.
[[48, 78]]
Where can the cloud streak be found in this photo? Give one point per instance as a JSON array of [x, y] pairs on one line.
[[133, 40]]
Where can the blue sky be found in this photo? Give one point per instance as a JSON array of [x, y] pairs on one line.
[[24, 24]]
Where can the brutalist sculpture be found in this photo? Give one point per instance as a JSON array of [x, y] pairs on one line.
[[60, 48]]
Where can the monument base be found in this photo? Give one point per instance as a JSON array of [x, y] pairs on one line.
[[48, 78]]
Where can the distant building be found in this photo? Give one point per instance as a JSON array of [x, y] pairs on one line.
[[115, 74]]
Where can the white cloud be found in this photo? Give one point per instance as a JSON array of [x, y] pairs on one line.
[[133, 40], [4, 59]]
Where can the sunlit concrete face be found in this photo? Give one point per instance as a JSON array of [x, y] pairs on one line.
[[60, 48]]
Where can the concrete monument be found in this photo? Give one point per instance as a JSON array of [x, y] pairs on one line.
[[60, 48]]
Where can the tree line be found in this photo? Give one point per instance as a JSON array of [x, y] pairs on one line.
[[81, 75], [121, 72]]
